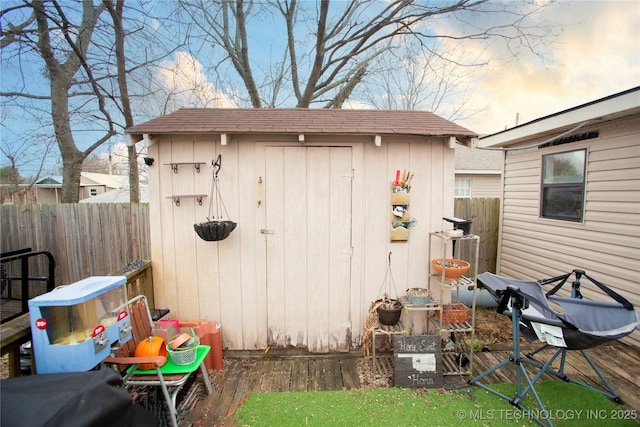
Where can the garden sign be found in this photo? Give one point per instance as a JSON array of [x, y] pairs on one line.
[[417, 361]]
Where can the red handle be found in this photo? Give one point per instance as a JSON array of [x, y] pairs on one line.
[[397, 183]]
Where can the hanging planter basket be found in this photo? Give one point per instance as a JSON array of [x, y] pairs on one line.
[[214, 230], [388, 310]]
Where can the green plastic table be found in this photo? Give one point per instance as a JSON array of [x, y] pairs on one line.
[[171, 368]]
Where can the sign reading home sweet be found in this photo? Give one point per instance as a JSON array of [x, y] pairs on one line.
[[417, 361]]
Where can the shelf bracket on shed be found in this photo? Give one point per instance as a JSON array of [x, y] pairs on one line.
[[198, 197], [196, 165]]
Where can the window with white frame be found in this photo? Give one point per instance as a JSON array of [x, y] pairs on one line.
[[563, 185], [463, 187]]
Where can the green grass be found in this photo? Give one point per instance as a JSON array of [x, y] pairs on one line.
[[567, 404]]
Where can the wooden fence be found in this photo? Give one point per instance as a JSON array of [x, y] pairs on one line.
[[86, 239], [485, 214], [93, 239]]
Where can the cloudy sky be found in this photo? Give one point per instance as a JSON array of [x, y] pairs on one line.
[[597, 54]]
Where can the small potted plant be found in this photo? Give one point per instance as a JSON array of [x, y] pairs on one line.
[[418, 296], [389, 310]]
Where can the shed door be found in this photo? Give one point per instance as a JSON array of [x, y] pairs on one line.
[[308, 237]]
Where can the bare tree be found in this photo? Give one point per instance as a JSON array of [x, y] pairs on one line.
[[17, 148], [331, 46], [61, 76], [116, 11], [16, 156], [415, 78], [63, 46], [82, 52], [96, 164]]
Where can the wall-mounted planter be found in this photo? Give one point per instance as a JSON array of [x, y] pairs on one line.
[[401, 221]]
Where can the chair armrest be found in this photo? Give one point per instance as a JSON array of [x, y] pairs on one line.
[[156, 360]]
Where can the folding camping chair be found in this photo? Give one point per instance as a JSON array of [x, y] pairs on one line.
[[580, 324], [167, 375]]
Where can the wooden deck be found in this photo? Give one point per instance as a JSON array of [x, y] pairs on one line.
[[295, 370]]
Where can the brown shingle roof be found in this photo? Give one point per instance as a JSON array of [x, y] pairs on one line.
[[301, 120], [477, 159]]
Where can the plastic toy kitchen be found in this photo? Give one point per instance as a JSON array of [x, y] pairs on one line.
[[74, 326]]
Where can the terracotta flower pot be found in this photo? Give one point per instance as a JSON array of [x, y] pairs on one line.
[[453, 268]]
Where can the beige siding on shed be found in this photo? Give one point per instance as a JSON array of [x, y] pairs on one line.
[[607, 244], [226, 281]]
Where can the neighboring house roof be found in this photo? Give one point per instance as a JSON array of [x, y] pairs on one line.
[[87, 179], [119, 195], [50, 181], [301, 120], [477, 161], [622, 104], [111, 181]]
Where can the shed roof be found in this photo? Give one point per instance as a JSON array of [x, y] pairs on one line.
[[301, 120]]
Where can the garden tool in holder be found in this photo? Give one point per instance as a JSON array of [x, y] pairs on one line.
[[215, 228]]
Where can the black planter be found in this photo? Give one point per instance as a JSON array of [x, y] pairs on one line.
[[214, 230], [390, 316]]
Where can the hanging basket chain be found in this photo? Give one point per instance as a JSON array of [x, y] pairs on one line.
[[211, 195], [220, 206], [388, 275], [216, 196]]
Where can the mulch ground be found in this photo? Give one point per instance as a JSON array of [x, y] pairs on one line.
[[493, 330]]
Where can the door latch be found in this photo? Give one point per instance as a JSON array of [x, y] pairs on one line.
[[267, 231]]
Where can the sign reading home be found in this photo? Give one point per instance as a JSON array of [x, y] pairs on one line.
[[417, 361]]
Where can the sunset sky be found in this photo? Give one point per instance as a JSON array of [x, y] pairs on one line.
[[596, 55]]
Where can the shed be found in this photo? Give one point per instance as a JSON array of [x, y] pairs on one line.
[[571, 195], [311, 192]]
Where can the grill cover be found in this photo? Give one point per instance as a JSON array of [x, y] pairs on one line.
[[94, 398]]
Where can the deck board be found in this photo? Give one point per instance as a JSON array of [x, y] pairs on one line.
[[248, 372]]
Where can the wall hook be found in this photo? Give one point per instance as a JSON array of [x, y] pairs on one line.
[[216, 165]]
